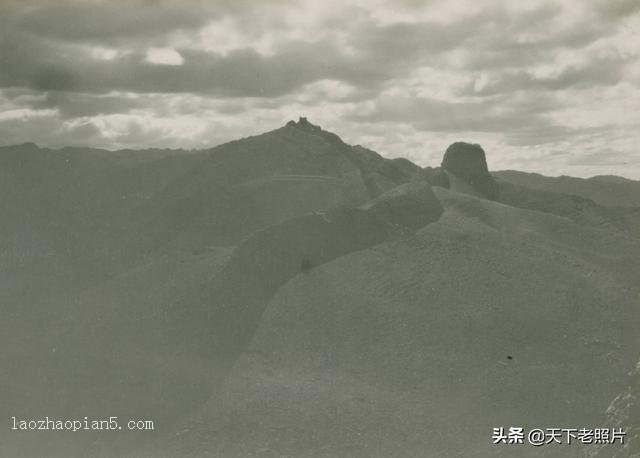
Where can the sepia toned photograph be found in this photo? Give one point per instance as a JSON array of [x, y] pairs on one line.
[[319, 229]]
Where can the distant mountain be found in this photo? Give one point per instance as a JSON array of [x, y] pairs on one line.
[[288, 294], [604, 190], [611, 179]]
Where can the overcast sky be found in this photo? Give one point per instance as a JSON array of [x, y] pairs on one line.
[[550, 86]]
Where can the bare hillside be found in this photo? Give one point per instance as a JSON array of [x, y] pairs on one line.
[[288, 294]]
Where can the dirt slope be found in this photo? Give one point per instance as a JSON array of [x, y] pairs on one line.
[[291, 295], [110, 265], [490, 316]]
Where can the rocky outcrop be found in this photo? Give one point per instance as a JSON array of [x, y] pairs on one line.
[[468, 163]]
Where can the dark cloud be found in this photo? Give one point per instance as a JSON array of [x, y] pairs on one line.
[[506, 49], [598, 72], [75, 105], [405, 41], [69, 68], [240, 73], [117, 22], [616, 9], [103, 22], [380, 52], [524, 119]]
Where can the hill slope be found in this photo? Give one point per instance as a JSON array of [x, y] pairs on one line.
[[110, 307], [288, 294], [490, 316]]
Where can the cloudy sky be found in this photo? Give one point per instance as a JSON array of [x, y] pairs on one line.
[[545, 86]]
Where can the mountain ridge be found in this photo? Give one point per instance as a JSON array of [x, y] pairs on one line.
[[289, 294]]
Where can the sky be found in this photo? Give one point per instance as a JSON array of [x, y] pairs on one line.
[[544, 86]]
